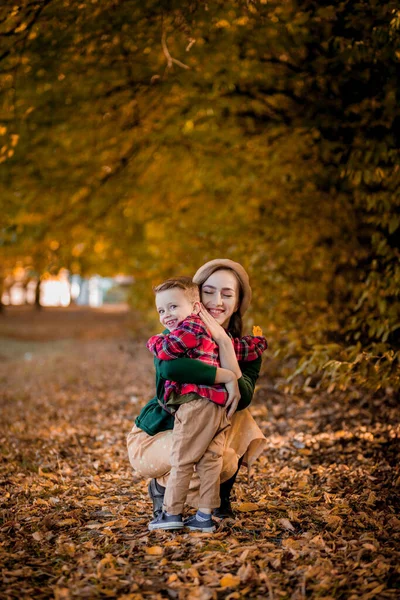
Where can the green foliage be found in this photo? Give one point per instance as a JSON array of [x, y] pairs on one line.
[[155, 136]]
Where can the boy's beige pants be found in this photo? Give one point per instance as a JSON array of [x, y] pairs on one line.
[[198, 439], [149, 455]]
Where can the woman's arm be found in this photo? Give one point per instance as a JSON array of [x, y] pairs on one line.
[[247, 383], [187, 370]]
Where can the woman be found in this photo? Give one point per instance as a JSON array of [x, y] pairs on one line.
[[225, 294]]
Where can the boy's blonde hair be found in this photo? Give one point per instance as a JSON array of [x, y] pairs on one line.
[[190, 289]]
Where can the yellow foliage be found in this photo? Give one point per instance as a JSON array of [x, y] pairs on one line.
[[222, 24]]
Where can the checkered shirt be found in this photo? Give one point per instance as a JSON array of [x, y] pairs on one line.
[[191, 339]]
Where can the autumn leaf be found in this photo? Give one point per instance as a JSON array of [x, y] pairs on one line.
[[154, 550], [247, 507], [286, 524], [229, 580], [257, 331]]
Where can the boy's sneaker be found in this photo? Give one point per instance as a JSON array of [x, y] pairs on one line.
[[195, 524], [164, 521]]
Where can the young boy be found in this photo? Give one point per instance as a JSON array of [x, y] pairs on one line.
[[200, 414]]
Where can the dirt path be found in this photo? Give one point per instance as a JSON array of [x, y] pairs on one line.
[[317, 520]]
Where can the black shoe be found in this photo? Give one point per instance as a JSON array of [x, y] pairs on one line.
[[156, 493], [224, 511]]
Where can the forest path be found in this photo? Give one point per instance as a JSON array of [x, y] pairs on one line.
[[316, 520]]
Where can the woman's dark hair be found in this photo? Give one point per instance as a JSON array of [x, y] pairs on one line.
[[235, 326]]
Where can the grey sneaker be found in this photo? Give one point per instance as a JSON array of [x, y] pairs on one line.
[[194, 524], [164, 521]]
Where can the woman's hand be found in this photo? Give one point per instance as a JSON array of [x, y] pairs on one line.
[[232, 388], [218, 333]]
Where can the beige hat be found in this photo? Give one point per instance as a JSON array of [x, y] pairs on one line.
[[209, 267]]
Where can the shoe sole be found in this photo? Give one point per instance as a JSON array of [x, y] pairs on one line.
[[202, 529], [166, 526]]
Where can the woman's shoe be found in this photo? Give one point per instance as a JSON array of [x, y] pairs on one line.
[[156, 493], [224, 511]]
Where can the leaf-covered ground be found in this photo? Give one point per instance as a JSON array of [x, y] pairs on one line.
[[316, 520]]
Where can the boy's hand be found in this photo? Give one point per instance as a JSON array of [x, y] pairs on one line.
[[232, 388], [218, 333]]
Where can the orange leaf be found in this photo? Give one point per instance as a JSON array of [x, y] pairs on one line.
[[247, 507], [229, 580], [154, 550], [257, 330]]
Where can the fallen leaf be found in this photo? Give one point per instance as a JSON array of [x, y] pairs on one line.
[[67, 522], [286, 524], [247, 573], [229, 580], [154, 550], [247, 507]]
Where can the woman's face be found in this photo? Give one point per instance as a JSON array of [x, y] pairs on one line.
[[220, 295]]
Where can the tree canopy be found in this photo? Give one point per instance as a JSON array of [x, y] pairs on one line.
[[148, 137]]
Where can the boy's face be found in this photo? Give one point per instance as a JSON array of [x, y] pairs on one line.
[[173, 306]]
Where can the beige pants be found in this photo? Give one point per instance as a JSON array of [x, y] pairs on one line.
[[198, 440], [149, 455]]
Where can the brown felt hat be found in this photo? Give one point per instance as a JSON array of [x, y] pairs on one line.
[[225, 263]]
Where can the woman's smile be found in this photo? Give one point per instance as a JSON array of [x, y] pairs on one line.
[[215, 312]]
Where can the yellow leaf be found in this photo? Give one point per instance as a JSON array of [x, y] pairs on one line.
[[229, 580], [172, 578], [247, 507], [154, 550], [222, 24], [116, 523], [48, 475], [69, 548], [257, 330]]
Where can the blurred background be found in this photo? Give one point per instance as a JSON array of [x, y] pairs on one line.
[[140, 139]]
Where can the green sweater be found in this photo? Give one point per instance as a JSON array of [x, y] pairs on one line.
[[153, 418]]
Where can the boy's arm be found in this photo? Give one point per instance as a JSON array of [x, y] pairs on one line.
[[249, 347], [176, 343]]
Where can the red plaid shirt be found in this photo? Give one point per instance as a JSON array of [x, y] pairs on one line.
[[191, 339]]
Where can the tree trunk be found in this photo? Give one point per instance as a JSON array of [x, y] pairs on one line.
[[38, 306], [1, 294]]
